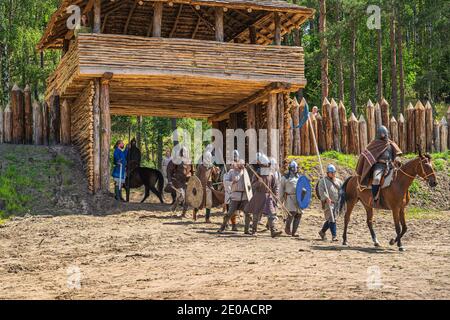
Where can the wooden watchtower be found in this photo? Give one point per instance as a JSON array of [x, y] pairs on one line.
[[214, 59]]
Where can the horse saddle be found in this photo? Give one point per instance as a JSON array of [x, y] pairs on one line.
[[387, 179]]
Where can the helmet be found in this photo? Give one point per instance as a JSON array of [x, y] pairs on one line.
[[331, 169], [293, 165], [263, 160], [382, 133]]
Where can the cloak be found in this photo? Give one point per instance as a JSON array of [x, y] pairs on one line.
[[371, 155]]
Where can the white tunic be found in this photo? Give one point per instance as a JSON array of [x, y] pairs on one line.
[[288, 188]]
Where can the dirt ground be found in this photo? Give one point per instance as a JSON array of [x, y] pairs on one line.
[[147, 252]]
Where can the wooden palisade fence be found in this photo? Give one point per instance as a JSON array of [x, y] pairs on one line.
[[351, 134], [24, 121]]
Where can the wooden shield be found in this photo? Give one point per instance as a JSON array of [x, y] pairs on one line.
[[194, 192], [248, 185]]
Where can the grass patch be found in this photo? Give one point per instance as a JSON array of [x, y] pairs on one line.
[[417, 213]]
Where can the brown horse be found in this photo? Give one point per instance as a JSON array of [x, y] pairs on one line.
[[394, 198]]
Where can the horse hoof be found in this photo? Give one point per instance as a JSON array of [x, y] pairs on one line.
[[377, 244], [401, 249], [392, 242], [345, 243]]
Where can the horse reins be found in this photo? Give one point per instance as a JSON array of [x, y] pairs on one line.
[[423, 171]]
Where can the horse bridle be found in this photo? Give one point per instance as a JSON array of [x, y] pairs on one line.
[[423, 171]]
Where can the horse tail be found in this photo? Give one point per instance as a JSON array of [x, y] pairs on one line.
[[343, 195]]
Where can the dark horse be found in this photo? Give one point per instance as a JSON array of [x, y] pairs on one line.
[[152, 179]]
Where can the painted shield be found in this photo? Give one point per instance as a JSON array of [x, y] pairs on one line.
[[194, 192], [303, 192], [248, 185]]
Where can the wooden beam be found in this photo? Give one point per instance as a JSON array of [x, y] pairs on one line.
[[252, 31], [97, 16], [174, 28], [219, 24], [272, 109], [275, 87], [196, 28], [105, 132], [96, 136], [277, 32], [130, 15], [157, 19]]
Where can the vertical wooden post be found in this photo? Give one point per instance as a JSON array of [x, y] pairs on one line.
[[436, 136], [411, 147], [336, 126], [429, 127], [157, 19], [7, 124], [304, 132], [97, 27], [272, 125], [353, 135], [219, 24], [362, 124], [394, 130], [444, 135], [384, 105], [371, 126], [344, 129], [105, 132], [296, 141], [54, 119], [2, 134], [28, 116], [17, 115], [280, 127], [252, 31], [277, 21], [378, 117], [65, 123], [328, 124], [419, 123], [45, 124], [96, 183], [321, 133], [402, 135], [251, 117], [37, 124], [286, 130], [448, 122]]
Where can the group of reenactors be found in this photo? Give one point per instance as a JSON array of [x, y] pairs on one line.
[[260, 190]]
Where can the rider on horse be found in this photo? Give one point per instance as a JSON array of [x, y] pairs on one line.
[[378, 158]]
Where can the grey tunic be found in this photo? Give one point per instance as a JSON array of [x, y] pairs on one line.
[[288, 187], [262, 201]]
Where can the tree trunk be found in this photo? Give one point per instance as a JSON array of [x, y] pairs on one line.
[[324, 48], [401, 69], [394, 98], [380, 64], [353, 68]]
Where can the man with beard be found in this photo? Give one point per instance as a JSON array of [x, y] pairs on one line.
[[179, 170], [263, 202], [207, 172], [238, 196], [378, 158], [288, 187]]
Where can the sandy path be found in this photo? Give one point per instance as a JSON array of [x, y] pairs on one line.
[[149, 253]]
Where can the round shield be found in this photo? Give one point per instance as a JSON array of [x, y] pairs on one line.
[[303, 192], [194, 192], [248, 185]]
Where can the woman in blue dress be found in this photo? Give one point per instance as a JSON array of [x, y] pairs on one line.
[[119, 172]]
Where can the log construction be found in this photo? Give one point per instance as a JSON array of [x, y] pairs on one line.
[[220, 60]]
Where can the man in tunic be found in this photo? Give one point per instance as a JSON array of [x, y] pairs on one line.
[[207, 172], [119, 172], [288, 196], [238, 196], [329, 188], [263, 202], [227, 185], [378, 158], [165, 163], [178, 175]]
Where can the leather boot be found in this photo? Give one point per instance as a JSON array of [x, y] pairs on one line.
[[223, 227], [295, 225], [287, 229], [273, 231], [195, 214], [255, 223], [208, 216], [375, 190], [247, 223], [117, 193]]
